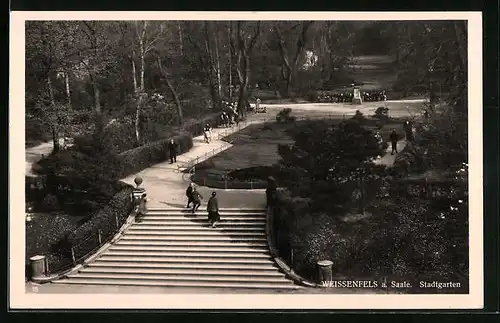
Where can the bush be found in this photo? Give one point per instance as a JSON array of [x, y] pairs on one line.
[[195, 126], [44, 233], [285, 117], [359, 116], [410, 160], [137, 159], [104, 221], [36, 132], [50, 203], [382, 113]]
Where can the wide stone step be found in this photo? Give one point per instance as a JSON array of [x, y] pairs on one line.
[[200, 222], [188, 244], [190, 260], [195, 232], [206, 227], [186, 254], [184, 272], [201, 210], [121, 247], [185, 266], [141, 282], [193, 238], [200, 218], [176, 278]]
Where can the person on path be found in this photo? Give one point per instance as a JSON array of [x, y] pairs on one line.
[[213, 210], [189, 194], [394, 141], [207, 133], [141, 208], [172, 148], [408, 127], [196, 200]]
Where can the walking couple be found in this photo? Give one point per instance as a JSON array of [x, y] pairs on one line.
[[212, 206]]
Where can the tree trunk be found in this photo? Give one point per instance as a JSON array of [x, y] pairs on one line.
[[134, 72], [68, 91], [55, 137], [137, 120], [172, 90], [245, 77], [51, 91], [230, 66], [181, 42], [219, 82], [289, 84]]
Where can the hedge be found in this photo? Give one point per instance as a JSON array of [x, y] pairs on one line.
[[195, 126], [44, 234], [137, 159], [228, 184], [84, 239]]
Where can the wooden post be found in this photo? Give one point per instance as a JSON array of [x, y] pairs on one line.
[[99, 236], [73, 254], [117, 222]]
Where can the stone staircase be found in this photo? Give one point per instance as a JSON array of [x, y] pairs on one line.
[[174, 248]]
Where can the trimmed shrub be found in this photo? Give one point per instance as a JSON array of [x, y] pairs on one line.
[[382, 113], [284, 116], [410, 160], [84, 238], [137, 159]]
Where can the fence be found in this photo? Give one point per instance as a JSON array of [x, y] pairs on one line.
[[69, 255]]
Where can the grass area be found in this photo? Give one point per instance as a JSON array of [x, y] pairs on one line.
[[255, 145]]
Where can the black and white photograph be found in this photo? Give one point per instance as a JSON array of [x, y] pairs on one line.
[[296, 161]]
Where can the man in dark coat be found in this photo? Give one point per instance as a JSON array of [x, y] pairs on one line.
[[213, 210], [189, 194], [172, 148], [394, 141], [196, 199]]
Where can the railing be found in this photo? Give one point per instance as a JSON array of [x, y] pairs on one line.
[[70, 256]]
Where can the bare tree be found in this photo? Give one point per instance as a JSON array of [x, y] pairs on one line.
[[242, 44], [290, 62]]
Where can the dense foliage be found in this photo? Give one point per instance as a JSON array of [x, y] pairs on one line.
[[331, 162]]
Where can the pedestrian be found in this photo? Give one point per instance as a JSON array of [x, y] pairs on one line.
[[222, 119], [207, 133], [408, 127], [213, 210], [141, 208], [172, 148], [394, 141], [189, 194], [196, 199]]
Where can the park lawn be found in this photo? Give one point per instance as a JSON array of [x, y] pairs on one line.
[[255, 145]]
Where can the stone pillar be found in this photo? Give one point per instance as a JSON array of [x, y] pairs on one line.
[[325, 272], [356, 96], [38, 268]]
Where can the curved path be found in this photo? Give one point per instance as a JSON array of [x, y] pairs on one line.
[[165, 185]]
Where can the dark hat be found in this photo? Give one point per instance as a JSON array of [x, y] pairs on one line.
[[214, 193]]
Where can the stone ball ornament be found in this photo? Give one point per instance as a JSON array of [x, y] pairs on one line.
[[138, 181]]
